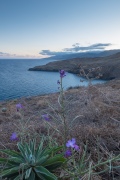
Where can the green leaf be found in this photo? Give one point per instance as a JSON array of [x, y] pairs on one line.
[[27, 149], [13, 171], [8, 162], [32, 145], [14, 156], [13, 176], [82, 160], [39, 150], [32, 176], [42, 160], [19, 177], [52, 150], [55, 159], [22, 150], [27, 173], [54, 162], [17, 160], [9, 171], [10, 152], [41, 171]]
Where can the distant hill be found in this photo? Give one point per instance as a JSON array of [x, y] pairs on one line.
[[85, 54], [110, 66]]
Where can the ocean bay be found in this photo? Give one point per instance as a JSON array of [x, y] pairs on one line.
[[16, 81]]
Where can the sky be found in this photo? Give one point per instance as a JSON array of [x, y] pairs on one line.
[[41, 28]]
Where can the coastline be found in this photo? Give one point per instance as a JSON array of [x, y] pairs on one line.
[[110, 66]]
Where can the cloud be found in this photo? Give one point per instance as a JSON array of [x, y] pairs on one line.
[[76, 48], [4, 55], [52, 53]]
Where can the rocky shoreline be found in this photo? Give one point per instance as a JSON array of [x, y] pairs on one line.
[[110, 66]]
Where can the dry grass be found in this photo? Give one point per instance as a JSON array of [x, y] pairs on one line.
[[99, 123]]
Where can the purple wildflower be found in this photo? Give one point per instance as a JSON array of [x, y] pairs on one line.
[[62, 73], [71, 143], [14, 137], [19, 106], [58, 82], [68, 153], [46, 117], [76, 147]]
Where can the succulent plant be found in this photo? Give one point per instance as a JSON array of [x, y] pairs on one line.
[[30, 162]]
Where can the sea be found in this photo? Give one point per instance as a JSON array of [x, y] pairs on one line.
[[17, 82]]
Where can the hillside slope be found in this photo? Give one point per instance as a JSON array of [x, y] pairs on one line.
[[110, 66]]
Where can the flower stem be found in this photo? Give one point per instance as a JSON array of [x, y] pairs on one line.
[[63, 112]]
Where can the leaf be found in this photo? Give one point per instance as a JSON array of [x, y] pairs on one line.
[[8, 162], [22, 150], [28, 151], [39, 150], [18, 177], [27, 173], [9, 171], [10, 152], [54, 162], [13, 171], [17, 160], [82, 160], [50, 151], [41, 171], [13, 176], [32, 145], [32, 176], [42, 160], [55, 149]]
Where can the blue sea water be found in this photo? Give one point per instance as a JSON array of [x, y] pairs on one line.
[[16, 81]]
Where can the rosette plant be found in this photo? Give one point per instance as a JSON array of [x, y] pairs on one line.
[[30, 162]]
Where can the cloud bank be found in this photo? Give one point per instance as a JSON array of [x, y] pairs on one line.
[[4, 55], [76, 48]]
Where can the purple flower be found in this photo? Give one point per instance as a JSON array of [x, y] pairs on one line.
[[62, 73], [58, 82], [71, 143], [68, 153], [46, 117], [14, 137], [19, 106], [76, 147]]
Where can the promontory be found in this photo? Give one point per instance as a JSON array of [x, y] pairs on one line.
[[110, 66]]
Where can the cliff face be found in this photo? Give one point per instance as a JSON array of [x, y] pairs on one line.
[[110, 66]]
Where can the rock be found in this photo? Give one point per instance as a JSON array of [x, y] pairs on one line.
[[4, 109]]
